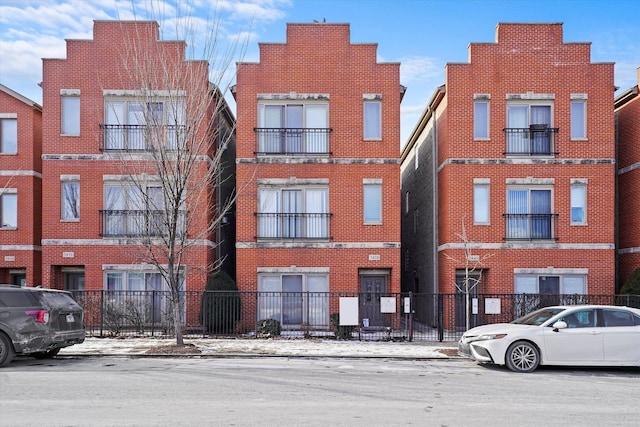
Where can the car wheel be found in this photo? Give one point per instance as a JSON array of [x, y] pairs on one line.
[[46, 354], [6, 350], [522, 356]]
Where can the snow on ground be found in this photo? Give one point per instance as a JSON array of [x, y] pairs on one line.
[[256, 346]]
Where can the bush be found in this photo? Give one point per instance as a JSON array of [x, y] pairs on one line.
[[267, 328], [631, 288], [221, 305], [341, 332]]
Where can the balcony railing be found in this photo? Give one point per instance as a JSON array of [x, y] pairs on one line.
[[142, 137], [536, 140], [136, 223], [292, 141], [530, 226], [293, 225]]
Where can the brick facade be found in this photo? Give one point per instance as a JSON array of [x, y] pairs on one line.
[[20, 175], [529, 76], [78, 252], [317, 69], [628, 124]]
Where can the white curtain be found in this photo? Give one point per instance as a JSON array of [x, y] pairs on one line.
[[372, 120], [316, 118], [268, 203], [316, 209]]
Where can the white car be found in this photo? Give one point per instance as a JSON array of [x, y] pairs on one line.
[[582, 335]]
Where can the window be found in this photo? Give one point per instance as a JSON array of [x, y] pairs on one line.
[[614, 318], [529, 129], [134, 211], [293, 128], [481, 119], [8, 136], [134, 289], [293, 213], [8, 209], [578, 203], [373, 120], [372, 203], [70, 115], [529, 214], [70, 199], [481, 203], [294, 298], [578, 119], [135, 125]]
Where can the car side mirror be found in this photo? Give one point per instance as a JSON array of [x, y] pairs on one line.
[[560, 324]]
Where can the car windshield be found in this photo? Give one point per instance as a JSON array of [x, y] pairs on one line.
[[538, 317]]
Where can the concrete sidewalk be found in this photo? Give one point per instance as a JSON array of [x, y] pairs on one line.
[[203, 347]]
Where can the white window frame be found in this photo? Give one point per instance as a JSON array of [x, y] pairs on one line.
[[9, 209], [481, 202], [529, 283], [69, 212], [314, 290], [70, 112], [308, 227], [372, 201], [372, 125], [481, 118], [578, 117], [578, 201], [8, 134]]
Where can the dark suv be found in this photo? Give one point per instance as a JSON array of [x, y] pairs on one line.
[[37, 322]]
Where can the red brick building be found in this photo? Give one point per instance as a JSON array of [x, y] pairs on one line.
[[318, 128], [20, 189], [105, 106], [627, 107], [509, 177]]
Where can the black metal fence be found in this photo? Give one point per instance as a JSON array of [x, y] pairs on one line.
[[389, 316]]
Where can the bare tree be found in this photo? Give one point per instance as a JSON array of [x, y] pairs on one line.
[[170, 147], [472, 271]]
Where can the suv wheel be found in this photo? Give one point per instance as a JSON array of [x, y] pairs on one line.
[[6, 350], [46, 354]]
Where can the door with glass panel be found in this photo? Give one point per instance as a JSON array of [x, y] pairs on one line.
[[528, 129], [529, 214]]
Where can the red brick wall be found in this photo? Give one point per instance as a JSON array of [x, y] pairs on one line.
[[27, 181], [629, 186], [528, 58], [320, 59], [93, 66]]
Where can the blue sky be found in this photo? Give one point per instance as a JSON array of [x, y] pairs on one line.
[[423, 35]]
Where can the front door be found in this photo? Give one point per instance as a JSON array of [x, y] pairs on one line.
[[373, 287], [549, 288]]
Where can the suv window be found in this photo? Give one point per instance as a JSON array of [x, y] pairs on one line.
[[16, 299], [57, 300]]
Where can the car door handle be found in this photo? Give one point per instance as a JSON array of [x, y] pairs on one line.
[[594, 332]]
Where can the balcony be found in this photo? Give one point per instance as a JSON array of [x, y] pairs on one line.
[[141, 138], [135, 223], [307, 226], [292, 141], [530, 226], [536, 140]]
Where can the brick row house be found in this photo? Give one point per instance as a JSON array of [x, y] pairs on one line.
[[508, 178], [20, 189], [627, 108], [109, 112], [318, 136]]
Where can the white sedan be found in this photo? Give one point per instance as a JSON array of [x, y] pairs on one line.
[[583, 335]]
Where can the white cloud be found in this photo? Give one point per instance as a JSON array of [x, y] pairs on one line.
[[420, 68]]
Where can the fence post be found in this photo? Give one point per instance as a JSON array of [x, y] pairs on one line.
[[153, 312], [440, 317], [101, 311], [410, 316]]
